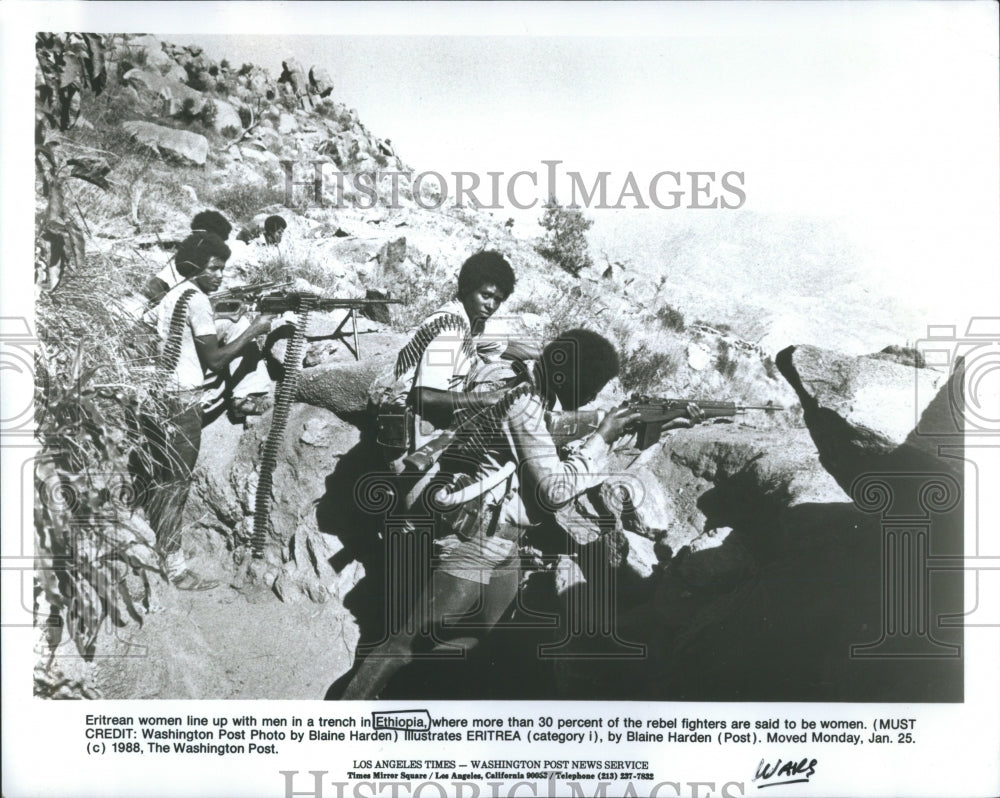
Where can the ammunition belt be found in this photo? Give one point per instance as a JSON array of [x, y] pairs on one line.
[[284, 395], [483, 430], [171, 354], [410, 354]]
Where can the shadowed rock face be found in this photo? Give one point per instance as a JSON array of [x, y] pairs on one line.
[[872, 414]]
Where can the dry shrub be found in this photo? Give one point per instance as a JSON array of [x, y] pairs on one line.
[[92, 385], [242, 203], [422, 289], [644, 369]]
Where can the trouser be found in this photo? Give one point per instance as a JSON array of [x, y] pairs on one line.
[[481, 573], [173, 443]]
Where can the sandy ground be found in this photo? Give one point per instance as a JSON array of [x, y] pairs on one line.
[[228, 643]]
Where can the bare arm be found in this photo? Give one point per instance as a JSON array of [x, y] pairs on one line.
[[214, 357], [521, 350]]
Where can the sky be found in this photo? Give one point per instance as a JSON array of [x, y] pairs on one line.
[[879, 118]]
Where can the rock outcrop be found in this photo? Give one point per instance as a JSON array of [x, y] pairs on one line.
[[320, 82], [174, 94], [181, 144]]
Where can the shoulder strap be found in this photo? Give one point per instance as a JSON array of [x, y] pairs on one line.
[[171, 354], [410, 354]]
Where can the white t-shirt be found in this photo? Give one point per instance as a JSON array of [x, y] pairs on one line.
[[189, 374], [170, 275]]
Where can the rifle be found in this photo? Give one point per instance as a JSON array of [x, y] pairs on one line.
[[570, 425], [655, 413]]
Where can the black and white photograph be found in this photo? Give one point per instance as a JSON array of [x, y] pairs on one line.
[[572, 398]]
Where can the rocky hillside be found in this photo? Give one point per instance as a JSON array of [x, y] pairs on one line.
[[748, 564]]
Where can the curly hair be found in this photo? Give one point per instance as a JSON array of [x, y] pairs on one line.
[[212, 222], [486, 268], [274, 223], [563, 370], [197, 250]]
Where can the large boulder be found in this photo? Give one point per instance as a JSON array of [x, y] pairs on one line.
[[294, 77], [296, 559], [175, 72], [343, 387], [287, 124], [863, 412], [174, 95], [722, 476], [181, 144], [320, 81], [152, 47], [226, 116]]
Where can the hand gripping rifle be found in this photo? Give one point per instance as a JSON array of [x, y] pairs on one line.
[[655, 412]]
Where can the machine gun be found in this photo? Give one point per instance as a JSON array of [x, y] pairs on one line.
[[239, 301], [234, 302], [302, 303], [655, 412], [283, 301]]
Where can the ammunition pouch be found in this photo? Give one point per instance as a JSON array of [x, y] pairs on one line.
[[394, 427]]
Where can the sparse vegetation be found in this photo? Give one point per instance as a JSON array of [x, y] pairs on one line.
[[725, 361], [326, 108], [564, 242], [204, 117], [92, 567], [670, 318], [243, 202], [643, 369]]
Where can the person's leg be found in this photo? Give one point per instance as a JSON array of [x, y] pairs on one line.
[[499, 565], [450, 595], [468, 579], [175, 444]]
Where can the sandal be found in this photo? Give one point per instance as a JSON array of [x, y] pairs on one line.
[[189, 580]]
